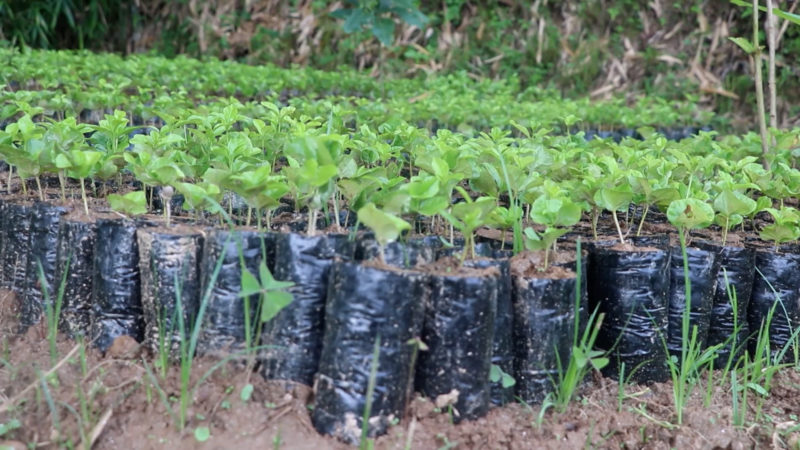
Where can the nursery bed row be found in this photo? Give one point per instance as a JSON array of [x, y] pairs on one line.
[[61, 84], [321, 309]]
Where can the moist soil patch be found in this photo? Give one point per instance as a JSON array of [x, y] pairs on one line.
[[127, 413]]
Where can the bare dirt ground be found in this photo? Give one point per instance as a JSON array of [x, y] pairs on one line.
[[112, 401]]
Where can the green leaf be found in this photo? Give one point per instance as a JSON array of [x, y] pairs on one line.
[[383, 29], [690, 213], [508, 381], [729, 203], [356, 19], [247, 392], [201, 434], [387, 227], [12, 425], [495, 373], [132, 203], [250, 284], [744, 44], [273, 304], [613, 199]]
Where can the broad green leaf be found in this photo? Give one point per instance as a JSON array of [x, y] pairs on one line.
[[383, 29], [613, 199], [690, 213], [387, 227], [274, 302], [729, 203], [250, 284], [132, 203]]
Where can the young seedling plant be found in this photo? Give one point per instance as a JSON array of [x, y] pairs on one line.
[[557, 213], [387, 227], [468, 216], [687, 214]]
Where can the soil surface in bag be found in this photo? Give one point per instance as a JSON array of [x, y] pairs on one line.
[[630, 285], [116, 297], [502, 347], [224, 319], [294, 336], [544, 324], [45, 220], [703, 269], [169, 263], [16, 244], [75, 257], [408, 254], [366, 302], [458, 330], [738, 263], [776, 286]]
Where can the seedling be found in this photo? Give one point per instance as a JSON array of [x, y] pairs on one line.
[[387, 227]]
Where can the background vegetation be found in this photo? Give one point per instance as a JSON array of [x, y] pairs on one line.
[[674, 49]]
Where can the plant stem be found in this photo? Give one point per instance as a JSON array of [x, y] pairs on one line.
[[762, 124], [619, 230], [83, 196], [39, 186], [61, 183], [644, 214], [771, 29]]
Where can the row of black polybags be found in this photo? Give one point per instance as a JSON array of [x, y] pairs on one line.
[[437, 330]]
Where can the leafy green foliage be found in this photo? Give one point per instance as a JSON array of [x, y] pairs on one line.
[[378, 17], [132, 203]]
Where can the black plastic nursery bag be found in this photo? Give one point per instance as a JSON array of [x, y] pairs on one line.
[[75, 259]]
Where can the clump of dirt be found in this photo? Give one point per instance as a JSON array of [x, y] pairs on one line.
[[124, 400]]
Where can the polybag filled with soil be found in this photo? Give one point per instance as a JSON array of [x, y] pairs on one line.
[[544, 325], [294, 336], [630, 285], [75, 260], [223, 328], [169, 263], [776, 287], [502, 345], [458, 330], [367, 302], [734, 284], [703, 268], [16, 244], [45, 220], [117, 303]]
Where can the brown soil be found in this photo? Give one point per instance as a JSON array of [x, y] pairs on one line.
[[529, 265], [125, 409]]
